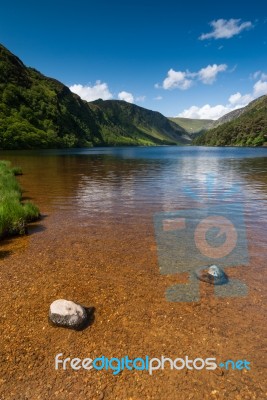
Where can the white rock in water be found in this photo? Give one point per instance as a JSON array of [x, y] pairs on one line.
[[215, 271], [212, 274], [67, 314]]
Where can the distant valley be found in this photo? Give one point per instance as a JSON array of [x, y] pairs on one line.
[[194, 127], [41, 112]]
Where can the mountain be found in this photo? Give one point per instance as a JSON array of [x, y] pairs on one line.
[[235, 113], [133, 121], [193, 126], [41, 112], [243, 127], [229, 117]]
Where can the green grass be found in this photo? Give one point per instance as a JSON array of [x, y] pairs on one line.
[[14, 214], [193, 126]]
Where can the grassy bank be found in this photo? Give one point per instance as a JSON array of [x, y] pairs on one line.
[[14, 214]]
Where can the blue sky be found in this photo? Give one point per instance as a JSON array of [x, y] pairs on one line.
[[192, 58]]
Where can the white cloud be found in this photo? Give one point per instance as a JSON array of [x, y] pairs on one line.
[[176, 79], [140, 99], [158, 98], [126, 96], [225, 29], [184, 79], [208, 75], [235, 101], [260, 88], [256, 75], [91, 93], [259, 74], [205, 112]]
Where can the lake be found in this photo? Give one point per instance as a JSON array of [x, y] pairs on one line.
[[96, 244]]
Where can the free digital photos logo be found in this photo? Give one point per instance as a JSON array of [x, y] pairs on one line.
[[213, 232]]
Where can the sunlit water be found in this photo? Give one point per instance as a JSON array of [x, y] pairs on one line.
[[97, 245], [128, 185]]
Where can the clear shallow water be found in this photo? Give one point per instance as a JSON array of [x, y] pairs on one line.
[[97, 246]]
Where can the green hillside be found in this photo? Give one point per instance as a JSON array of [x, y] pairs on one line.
[[246, 129], [134, 122], [36, 111], [40, 112], [193, 126]]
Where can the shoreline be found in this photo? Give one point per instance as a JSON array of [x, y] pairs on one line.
[[3, 151], [15, 214]]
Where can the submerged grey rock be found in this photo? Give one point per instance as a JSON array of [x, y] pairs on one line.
[[212, 274], [68, 314]]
